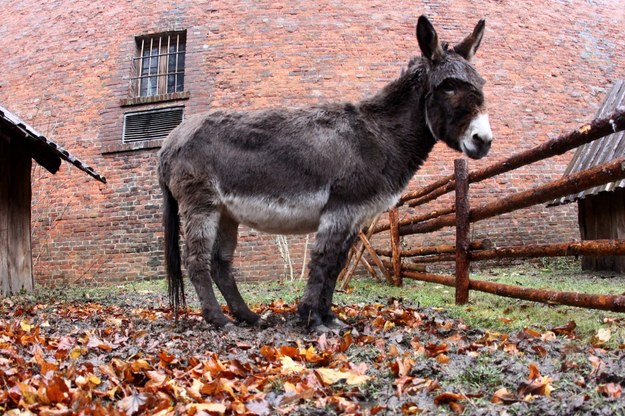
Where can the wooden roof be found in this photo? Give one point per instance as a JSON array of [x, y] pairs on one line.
[[45, 152], [599, 151]]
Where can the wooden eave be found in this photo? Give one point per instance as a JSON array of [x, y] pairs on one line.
[[43, 150]]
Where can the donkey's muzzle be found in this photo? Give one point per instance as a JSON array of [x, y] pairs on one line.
[[478, 137]]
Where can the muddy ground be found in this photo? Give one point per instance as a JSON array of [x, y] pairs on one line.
[[124, 354]]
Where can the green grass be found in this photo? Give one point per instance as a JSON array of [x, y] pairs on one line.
[[485, 311]]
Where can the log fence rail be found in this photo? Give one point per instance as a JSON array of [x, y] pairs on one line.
[[462, 215]]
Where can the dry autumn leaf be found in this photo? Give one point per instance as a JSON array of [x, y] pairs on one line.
[[567, 330], [329, 376], [504, 396], [602, 336], [289, 366], [132, 404], [611, 390], [452, 400]]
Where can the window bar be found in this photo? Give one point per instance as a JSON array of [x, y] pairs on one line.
[[158, 65], [150, 67], [167, 66], [176, 65], [140, 78]]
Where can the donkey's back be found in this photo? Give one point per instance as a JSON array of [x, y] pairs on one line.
[[273, 170]]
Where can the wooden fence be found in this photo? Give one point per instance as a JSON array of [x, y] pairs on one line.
[[461, 215]]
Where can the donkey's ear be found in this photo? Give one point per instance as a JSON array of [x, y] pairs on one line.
[[428, 40], [469, 45]]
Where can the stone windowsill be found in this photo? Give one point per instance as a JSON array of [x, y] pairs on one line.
[[130, 147], [154, 99]]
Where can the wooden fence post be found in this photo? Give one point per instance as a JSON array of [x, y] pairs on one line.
[[393, 219], [462, 231]]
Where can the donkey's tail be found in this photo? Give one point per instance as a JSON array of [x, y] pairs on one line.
[[171, 222]]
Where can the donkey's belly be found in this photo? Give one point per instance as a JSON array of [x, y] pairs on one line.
[[299, 215]]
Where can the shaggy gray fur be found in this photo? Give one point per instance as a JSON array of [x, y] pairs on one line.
[[327, 169]]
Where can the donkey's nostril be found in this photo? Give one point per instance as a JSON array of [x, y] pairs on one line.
[[476, 138]]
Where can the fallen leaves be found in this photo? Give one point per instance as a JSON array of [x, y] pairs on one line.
[[329, 376], [603, 335], [111, 360], [535, 385], [610, 390]]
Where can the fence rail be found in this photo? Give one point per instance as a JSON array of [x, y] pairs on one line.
[[461, 215]]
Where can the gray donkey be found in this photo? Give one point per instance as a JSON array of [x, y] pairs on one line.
[[327, 169]]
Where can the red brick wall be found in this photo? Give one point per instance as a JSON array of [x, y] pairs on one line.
[[66, 68]]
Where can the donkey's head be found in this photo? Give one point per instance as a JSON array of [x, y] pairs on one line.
[[455, 111]]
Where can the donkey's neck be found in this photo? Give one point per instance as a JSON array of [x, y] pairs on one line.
[[397, 115]]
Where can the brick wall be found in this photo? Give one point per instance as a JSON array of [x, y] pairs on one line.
[[66, 70]]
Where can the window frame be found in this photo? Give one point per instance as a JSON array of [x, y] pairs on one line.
[[157, 50]]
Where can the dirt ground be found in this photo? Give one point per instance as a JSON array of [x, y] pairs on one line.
[[124, 354]]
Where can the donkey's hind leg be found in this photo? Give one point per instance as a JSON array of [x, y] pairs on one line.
[[222, 270], [200, 227], [328, 257]]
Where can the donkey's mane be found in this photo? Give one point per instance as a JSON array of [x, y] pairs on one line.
[[398, 90]]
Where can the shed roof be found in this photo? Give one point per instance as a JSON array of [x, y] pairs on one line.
[[45, 152], [599, 151]]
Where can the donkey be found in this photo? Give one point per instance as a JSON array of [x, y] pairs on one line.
[[328, 169]]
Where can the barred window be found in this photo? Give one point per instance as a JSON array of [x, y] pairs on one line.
[[159, 64]]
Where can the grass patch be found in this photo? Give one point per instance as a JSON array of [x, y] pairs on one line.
[[485, 311]]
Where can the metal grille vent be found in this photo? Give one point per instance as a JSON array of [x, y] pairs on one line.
[[150, 125]]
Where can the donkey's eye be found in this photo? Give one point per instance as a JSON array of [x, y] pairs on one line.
[[448, 88]]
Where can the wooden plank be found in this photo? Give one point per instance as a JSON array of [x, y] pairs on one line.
[[393, 218], [463, 225], [5, 158], [375, 257], [348, 272], [15, 212], [602, 217]]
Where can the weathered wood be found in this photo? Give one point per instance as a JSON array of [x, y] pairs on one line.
[[602, 216], [461, 169], [485, 244], [576, 248], [615, 303], [431, 277], [585, 134], [369, 268], [432, 195], [444, 182], [375, 257], [347, 266], [349, 269], [416, 219], [408, 266], [393, 218], [15, 199], [607, 172], [439, 258], [584, 300]]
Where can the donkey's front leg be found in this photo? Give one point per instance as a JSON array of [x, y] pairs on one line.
[[327, 259], [222, 270], [327, 292], [200, 233]]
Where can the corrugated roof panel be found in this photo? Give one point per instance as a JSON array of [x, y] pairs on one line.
[[599, 151]]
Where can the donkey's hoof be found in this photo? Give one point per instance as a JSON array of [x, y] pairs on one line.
[[321, 329], [217, 320], [311, 321], [250, 318], [230, 326], [335, 323]]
